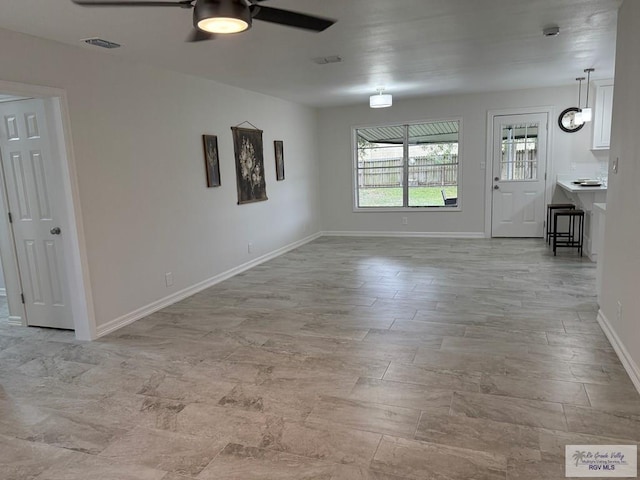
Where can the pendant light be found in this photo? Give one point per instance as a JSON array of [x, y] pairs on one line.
[[380, 100], [578, 119], [587, 112]]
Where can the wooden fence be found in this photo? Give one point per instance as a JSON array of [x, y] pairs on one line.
[[523, 166], [423, 171]]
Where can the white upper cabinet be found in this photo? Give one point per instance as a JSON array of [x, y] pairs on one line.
[[602, 110]]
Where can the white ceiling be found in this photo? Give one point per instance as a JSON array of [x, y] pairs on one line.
[[412, 47]]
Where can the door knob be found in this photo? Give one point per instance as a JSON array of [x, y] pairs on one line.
[[497, 179], [496, 187], [56, 231]]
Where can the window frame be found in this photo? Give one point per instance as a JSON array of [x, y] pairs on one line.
[[354, 169]]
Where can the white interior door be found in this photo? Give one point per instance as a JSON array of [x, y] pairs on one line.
[[519, 175], [33, 190]]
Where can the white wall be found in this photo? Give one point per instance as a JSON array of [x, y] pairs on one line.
[[3, 288], [336, 156], [621, 257], [138, 149]]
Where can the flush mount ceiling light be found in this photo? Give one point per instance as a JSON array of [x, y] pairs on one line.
[[381, 100], [221, 16], [552, 31]]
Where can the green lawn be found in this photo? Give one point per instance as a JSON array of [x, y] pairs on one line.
[[392, 197]]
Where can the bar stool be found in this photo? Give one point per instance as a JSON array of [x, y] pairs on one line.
[[550, 209], [568, 238]]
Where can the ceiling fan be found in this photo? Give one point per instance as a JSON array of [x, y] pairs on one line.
[[211, 17]]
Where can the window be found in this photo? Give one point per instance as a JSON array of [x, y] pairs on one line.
[[403, 166], [519, 159]]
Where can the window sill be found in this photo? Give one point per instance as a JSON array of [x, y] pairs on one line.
[[406, 209]]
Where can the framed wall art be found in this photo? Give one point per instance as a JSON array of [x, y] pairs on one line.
[[247, 145], [279, 154], [211, 160]]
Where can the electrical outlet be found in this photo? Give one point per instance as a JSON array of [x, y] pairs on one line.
[[250, 247], [574, 166], [483, 165], [405, 221], [168, 279], [619, 311]]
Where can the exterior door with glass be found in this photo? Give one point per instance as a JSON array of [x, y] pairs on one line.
[[519, 175]]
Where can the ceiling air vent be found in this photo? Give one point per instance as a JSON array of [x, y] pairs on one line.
[[327, 60], [100, 42]]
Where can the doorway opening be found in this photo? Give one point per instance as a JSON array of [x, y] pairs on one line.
[[41, 247]]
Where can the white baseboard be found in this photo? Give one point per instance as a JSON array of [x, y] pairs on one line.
[[17, 321], [629, 364], [142, 312], [3, 292], [406, 234]]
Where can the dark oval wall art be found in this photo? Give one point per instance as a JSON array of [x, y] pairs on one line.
[[566, 120]]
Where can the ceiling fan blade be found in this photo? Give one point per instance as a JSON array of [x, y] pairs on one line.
[[289, 18], [101, 3], [198, 35]]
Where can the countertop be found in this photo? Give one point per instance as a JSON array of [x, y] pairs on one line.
[[569, 187]]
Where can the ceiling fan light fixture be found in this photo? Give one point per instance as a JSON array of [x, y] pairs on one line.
[[221, 16], [222, 25]]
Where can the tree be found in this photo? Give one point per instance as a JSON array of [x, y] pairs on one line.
[[579, 456]]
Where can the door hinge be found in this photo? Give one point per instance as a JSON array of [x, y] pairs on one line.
[[22, 297], [10, 218], [545, 176]]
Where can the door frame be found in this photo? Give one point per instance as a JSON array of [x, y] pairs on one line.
[[488, 182], [75, 258]]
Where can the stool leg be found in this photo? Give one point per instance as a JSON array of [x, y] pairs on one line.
[[581, 233], [555, 229], [572, 230], [577, 242], [548, 225]]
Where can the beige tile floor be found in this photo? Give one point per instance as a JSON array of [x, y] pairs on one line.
[[346, 359]]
